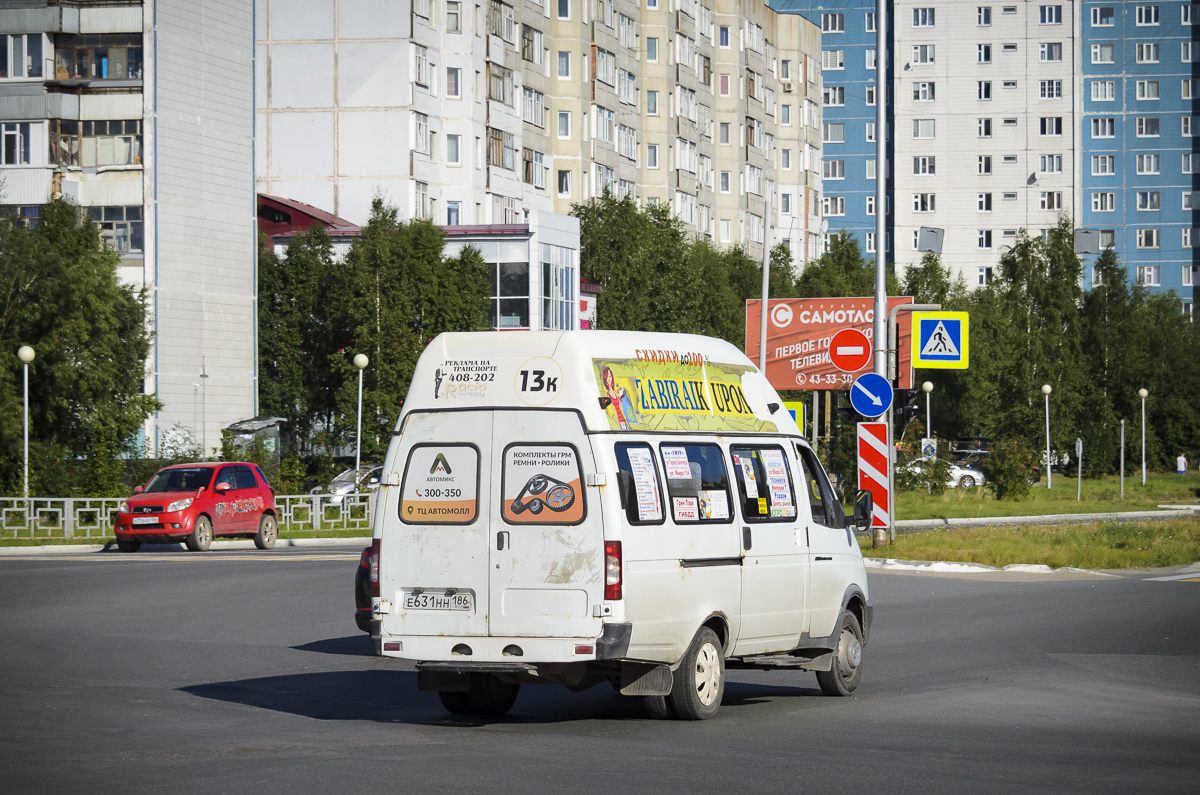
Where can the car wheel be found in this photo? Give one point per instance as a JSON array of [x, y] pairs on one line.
[[201, 535], [966, 482], [456, 703], [700, 678], [268, 531], [128, 545], [489, 696], [659, 707], [846, 672]]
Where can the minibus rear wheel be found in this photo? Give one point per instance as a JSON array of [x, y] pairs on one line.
[[700, 678], [846, 672]]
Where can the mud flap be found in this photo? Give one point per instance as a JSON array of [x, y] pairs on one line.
[[645, 679]]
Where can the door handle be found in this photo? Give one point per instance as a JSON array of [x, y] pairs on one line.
[[501, 539], [746, 538]]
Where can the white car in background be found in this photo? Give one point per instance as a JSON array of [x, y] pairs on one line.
[[364, 480]]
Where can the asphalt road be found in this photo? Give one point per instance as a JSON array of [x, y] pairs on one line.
[[243, 672]]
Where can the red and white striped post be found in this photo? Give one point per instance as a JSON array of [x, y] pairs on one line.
[[873, 463]]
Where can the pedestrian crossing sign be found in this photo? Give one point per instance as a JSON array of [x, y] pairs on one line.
[[940, 340]]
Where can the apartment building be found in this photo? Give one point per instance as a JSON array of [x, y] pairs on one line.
[[1003, 116], [500, 114], [1138, 173], [142, 113]]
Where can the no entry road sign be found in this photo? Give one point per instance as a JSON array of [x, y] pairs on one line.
[[850, 350]]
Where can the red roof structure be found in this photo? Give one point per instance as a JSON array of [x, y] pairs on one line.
[[280, 216]]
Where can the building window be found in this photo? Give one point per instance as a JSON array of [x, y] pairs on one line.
[[421, 65], [834, 205], [870, 205], [1148, 200], [1147, 127], [1050, 126], [1105, 127], [923, 54], [726, 228], [834, 169], [984, 276], [453, 82], [1102, 16], [1148, 274], [983, 202], [92, 143], [1108, 238], [983, 16], [1187, 243], [785, 159], [1189, 164], [564, 9], [452, 212], [510, 286], [1147, 52], [564, 124], [1103, 53], [922, 128], [1050, 164], [833, 59], [453, 149], [103, 56], [21, 57], [1147, 15], [421, 133], [1149, 164], [983, 53], [1147, 89], [983, 128], [723, 36], [1050, 15], [923, 92], [924, 202], [833, 133], [869, 22], [983, 89], [626, 35], [422, 207], [869, 131], [984, 164], [1009, 159], [723, 82], [1104, 91], [1050, 52], [502, 151], [120, 227], [1103, 202], [1104, 165], [453, 16], [834, 96], [723, 133], [870, 95], [1147, 238], [533, 168], [923, 166], [1009, 47], [651, 155], [785, 115], [559, 284], [833, 23], [533, 107], [984, 238], [564, 64], [1051, 200], [1185, 14], [1188, 199], [922, 18], [785, 203], [1187, 126], [501, 87], [1051, 89]]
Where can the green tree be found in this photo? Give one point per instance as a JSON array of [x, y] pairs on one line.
[[59, 292]]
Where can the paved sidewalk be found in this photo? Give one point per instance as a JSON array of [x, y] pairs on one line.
[[1173, 512]]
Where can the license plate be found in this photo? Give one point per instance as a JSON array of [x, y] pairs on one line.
[[145, 520], [459, 602]]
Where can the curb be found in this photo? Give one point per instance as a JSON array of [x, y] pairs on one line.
[[913, 525], [217, 546], [946, 567]]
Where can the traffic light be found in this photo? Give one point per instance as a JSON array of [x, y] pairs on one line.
[[845, 411], [905, 406]]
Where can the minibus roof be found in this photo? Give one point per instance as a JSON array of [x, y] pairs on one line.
[[617, 380]]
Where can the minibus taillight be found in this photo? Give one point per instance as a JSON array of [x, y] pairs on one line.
[[612, 569], [375, 567]]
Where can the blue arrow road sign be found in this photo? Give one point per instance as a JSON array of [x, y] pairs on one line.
[[871, 395]]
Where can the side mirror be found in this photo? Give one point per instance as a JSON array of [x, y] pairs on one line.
[[138, 489], [864, 506], [221, 488]]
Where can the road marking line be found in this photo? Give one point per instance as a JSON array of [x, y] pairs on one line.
[[1190, 577]]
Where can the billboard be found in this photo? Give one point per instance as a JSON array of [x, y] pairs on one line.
[[798, 335]]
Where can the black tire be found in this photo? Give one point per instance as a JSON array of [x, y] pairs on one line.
[[700, 678], [489, 696], [201, 536], [268, 531], [456, 703], [128, 545], [843, 677], [659, 707], [966, 482]]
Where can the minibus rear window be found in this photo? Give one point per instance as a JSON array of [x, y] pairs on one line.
[[441, 485], [637, 476], [764, 484], [542, 484], [697, 482]]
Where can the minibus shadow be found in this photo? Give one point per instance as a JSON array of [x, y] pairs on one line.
[[351, 645], [385, 696]]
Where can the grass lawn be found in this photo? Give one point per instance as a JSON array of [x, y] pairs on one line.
[[1101, 545], [1099, 496]]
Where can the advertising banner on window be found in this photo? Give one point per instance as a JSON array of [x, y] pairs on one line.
[[441, 485], [542, 485], [799, 331]]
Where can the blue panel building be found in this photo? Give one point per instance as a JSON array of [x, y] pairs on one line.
[[1139, 141], [848, 123]]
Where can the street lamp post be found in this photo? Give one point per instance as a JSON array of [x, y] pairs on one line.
[[25, 354], [927, 387], [360, 361], [1142, 393], [1046, 390]]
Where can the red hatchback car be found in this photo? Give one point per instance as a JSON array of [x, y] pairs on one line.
[[194, 503]]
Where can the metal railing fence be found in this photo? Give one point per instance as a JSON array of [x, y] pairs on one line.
[[93, 517]]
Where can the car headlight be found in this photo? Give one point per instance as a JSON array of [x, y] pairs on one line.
[[179, 505], [123, 507]]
